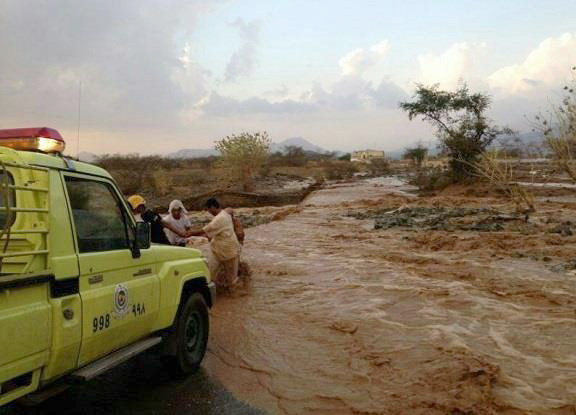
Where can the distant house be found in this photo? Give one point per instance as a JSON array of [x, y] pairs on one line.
[[364, 156]]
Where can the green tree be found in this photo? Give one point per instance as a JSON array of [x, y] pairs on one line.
[[245, 154], [460, 121], [416, 154]]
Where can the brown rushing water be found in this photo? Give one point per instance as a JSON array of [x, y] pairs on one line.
[[342, 319]]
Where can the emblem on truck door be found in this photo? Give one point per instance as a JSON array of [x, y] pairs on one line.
[[121, 301]]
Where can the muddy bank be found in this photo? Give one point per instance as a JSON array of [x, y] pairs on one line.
[[277, 191], [244, 199], [343, 318]]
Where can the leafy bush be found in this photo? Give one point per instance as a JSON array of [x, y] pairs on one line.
[[245, 154]]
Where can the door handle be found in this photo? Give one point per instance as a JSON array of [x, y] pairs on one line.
[[95, 279], [143, 271]]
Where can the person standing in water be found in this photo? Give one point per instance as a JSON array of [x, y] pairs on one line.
[[238, 227], [223, 243]]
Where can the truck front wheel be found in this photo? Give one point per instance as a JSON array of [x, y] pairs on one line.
[[191, 336]]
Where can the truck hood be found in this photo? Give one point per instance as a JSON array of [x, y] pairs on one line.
[[171, 253]]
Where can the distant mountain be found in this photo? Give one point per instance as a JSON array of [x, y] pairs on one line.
[[190, 153], [521, 139], [296, 142], [531, 137], [193, 153]]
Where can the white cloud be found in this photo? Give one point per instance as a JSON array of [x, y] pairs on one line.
[[351, 92], [455, 64], [223, 106], [243, 61], [132, 71], [279, 93], [359, 60], [347, 94], [190, 77], [545, 68]]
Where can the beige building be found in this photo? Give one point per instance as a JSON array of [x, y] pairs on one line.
[[366, 155]]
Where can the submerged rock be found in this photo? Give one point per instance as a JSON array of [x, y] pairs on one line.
[[566, 266], [436, 218], [564, 229]]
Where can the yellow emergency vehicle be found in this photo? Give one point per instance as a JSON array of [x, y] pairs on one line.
[[81, 287]]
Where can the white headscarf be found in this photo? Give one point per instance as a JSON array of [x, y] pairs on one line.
[[180, 224], [175, 204]]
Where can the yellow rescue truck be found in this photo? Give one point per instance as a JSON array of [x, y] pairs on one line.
[[81, 287]]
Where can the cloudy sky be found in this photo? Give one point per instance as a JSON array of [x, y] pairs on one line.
[[161, 75]]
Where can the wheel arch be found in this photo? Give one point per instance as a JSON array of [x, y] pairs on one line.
[[196, 284]]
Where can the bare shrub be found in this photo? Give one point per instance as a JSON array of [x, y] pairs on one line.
[[558, 127], [127, 182], [295, 156], [265, 170], [162, 182], [134, 169], [155, 175], [379, 167], [338, 170], [500, 173], [562, 148], [430, 179], [417, 155], [190, 178]]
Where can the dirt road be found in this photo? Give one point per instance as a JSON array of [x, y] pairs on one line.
[[345, 319]]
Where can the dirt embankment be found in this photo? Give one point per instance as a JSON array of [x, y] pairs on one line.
[[287, 193], [369, 300]]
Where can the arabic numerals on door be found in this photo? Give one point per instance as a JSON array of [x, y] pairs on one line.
[[101, 322]]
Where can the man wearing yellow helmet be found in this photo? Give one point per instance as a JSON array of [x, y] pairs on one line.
[[157, 224]]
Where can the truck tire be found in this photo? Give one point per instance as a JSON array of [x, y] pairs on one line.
[[191, 336]]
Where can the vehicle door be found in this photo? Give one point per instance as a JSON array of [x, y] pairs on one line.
[[119, 286]]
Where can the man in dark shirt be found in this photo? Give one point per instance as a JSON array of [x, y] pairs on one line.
[[157, 224]]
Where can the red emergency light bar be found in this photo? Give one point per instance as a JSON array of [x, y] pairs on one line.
[[43, 139]]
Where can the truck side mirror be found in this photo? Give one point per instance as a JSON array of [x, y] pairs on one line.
[[142, 235]]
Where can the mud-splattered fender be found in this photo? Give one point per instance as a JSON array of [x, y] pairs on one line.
[[174, 276]]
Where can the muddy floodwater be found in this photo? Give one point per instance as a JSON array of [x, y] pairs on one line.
[[366, 299], [343, 318]]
